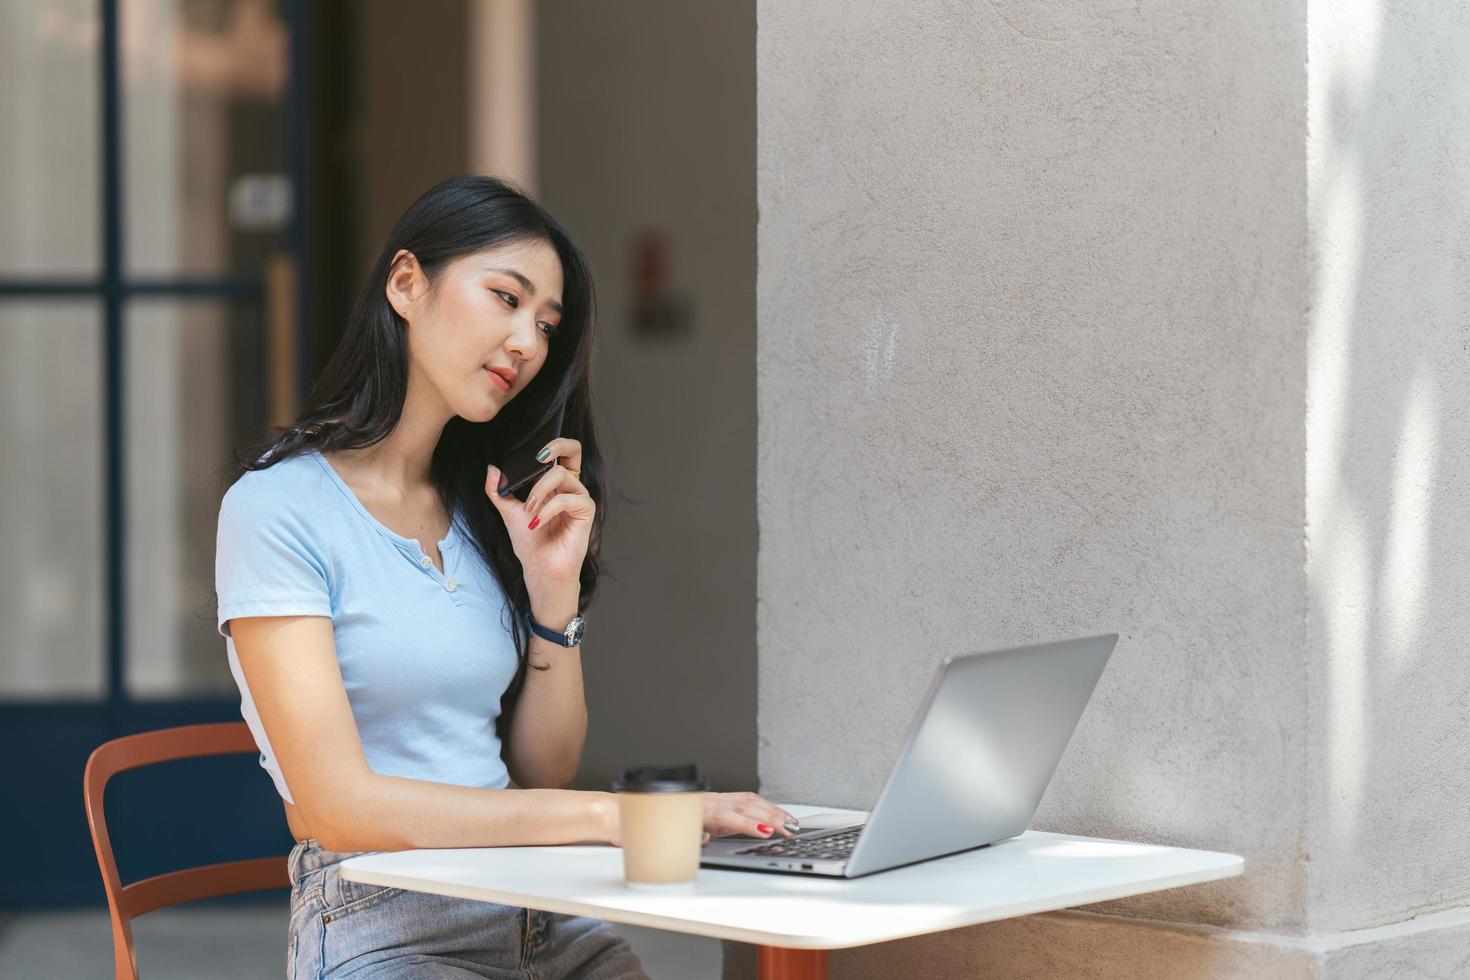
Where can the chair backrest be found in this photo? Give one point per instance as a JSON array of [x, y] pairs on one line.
[[129, 901]]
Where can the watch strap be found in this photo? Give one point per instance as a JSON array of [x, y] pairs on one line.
[[560, 638]]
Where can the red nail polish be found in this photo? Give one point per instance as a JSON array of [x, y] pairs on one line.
[[534, 522], [763, 828]]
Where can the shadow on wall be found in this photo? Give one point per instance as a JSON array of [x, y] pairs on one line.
[[1388, 452]]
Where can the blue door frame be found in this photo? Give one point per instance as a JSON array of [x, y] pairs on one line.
[[179, 814]]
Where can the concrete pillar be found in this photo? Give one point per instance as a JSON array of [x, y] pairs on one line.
[[1109, 316], [1388, 461]]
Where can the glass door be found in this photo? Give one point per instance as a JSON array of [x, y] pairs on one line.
[[151, 297]]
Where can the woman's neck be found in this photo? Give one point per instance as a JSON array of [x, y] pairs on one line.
[[398, 465]]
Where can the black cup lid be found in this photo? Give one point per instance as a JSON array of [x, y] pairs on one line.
[[660, 779]]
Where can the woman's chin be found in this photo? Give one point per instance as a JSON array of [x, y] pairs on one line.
[[480, 411]]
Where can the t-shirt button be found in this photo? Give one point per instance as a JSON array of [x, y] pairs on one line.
[[449, 584], [426, 561]]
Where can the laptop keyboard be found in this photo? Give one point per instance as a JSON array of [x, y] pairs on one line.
[[836, 846]]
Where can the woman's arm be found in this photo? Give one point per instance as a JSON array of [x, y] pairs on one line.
[[550, 534], [548, 726], [290, 667]]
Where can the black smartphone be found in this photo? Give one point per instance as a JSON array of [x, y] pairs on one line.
[[521, 468]]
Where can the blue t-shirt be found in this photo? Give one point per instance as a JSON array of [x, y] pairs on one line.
[[425, 655]]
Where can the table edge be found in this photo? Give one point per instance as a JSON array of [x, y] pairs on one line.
[[1226, 869]]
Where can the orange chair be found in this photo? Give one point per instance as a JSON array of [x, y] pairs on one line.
[[129, 901]]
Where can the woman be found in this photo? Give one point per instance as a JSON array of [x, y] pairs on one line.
[[377, 596]]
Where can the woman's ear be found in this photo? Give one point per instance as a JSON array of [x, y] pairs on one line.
[[405, 282]]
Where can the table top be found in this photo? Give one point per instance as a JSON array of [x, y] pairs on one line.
[[1035, 872]]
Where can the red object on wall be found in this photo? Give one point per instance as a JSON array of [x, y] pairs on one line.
[[658, 311]]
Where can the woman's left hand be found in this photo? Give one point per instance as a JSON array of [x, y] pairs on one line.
[[551, 530], [744, 813], [724, 814]]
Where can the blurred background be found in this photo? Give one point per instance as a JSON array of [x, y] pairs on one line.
[[190, 194]]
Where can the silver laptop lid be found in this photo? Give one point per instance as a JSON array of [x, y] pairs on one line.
[[983, 746]]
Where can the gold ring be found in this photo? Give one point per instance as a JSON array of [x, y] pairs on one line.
[[573, 472]]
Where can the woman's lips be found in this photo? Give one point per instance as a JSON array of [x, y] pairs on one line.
[[500, 382]]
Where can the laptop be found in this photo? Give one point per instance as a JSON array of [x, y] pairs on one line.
[[978, 756]]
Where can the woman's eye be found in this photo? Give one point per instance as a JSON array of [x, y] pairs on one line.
[[549, 329]]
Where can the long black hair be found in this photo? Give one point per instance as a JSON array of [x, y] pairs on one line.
[[358, 398]]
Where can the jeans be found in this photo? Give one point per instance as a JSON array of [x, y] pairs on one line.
[[342, 928]]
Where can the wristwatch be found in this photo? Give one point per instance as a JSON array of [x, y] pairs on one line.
[[568, 637]]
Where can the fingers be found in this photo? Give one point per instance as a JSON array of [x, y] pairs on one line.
[[575, 505], [493, 480], [558, 492], [568, 452], [558, 478], [760, 817], [767, 824], [773, 815]]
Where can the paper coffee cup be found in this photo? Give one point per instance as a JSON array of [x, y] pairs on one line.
[[661, 809]]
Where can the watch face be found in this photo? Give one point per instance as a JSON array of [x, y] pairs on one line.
[[574, 631]]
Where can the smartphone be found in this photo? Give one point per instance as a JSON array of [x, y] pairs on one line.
[[521, 468]]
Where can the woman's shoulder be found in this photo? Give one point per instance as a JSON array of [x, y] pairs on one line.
[[271, 540], [292, 486]]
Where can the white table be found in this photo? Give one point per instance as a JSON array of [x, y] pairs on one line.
[[795, 919]]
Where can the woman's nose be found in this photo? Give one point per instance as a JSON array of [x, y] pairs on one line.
[[522, 339]]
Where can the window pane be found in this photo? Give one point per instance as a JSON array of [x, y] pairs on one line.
[[50, 143], [53, 592], [204, 85], [197, 382]]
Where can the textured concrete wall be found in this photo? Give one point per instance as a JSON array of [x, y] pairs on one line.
[[1388, 449], [1031, 300], [670, 664], [1089, 316]]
